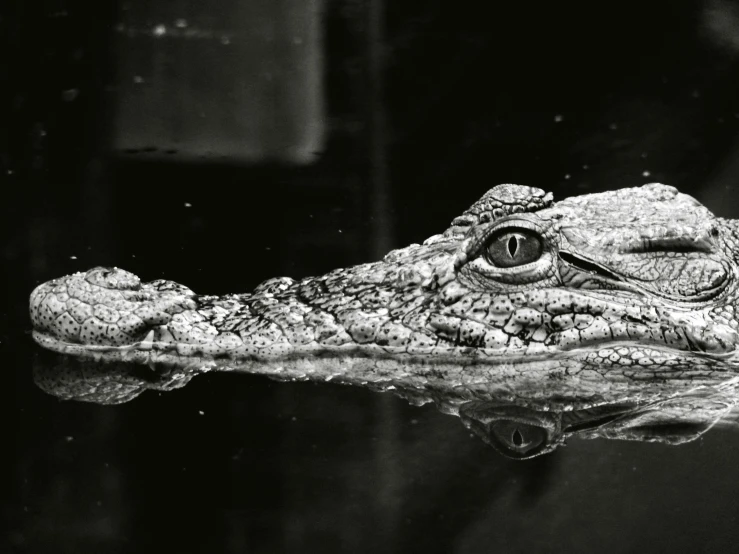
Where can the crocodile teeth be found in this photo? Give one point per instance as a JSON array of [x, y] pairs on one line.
[[148, 341], [153, 360], [164, 335]]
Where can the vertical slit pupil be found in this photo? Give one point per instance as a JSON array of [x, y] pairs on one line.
[[512, 248], [513, 245], [517, 438]]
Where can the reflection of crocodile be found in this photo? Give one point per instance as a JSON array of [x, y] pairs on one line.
[[620, 299], [514, 429]]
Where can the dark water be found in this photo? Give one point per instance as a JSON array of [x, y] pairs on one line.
[[226, 167]]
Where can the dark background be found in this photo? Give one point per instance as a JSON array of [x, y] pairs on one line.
[[324, 152]]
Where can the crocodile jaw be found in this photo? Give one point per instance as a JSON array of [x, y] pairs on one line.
[[108, 315]]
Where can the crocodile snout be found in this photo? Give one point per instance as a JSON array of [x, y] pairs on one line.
[[105, 307]]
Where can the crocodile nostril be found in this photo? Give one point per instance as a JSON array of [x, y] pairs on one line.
[[717, 339], [113, 278]]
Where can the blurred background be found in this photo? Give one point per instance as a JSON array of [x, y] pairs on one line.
[[221, 143]]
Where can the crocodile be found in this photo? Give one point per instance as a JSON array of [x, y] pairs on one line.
[[608, 314]]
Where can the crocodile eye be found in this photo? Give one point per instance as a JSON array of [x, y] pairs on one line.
[[517, 438], [513, 247]]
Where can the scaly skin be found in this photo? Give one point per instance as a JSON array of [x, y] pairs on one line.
[[632, 299]]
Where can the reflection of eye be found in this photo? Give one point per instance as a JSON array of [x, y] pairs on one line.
[[513, 247], [518, 439]]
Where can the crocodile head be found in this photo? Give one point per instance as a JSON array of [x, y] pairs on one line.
[[623, 298]]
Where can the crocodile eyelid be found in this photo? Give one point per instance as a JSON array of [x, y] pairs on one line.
[[481, 234], [473, 247]]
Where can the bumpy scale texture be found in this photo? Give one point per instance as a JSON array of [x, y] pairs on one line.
[[630, 294]]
